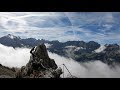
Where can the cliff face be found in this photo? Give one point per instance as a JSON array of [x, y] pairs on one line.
[[39, 65]]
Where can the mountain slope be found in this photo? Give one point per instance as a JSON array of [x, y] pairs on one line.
[[6, 72], [78, 50]]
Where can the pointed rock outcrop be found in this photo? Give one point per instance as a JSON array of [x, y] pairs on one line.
[[39, 65]]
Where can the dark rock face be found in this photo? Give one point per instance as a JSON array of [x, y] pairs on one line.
[[40, 65], [112, 53]]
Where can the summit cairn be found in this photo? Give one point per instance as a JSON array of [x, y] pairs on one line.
[[39, 65]]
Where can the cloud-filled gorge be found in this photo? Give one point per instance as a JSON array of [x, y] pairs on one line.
[[20, 56]]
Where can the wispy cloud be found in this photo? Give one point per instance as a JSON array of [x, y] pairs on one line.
[[63, 26]]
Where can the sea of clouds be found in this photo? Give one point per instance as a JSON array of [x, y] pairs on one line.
[[20, 56]]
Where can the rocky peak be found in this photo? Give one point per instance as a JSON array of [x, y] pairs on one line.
[[41, 52], [112, 47], [111, 53], [40, 65], [12, 36]]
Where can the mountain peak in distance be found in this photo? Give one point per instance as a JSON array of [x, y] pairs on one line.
[[11, 36]]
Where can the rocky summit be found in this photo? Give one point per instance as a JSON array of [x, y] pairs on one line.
[[39, 65]]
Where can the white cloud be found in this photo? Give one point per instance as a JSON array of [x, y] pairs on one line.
[[19, 18], [13, 57], [20, 56], [33, 23], [95, 69]]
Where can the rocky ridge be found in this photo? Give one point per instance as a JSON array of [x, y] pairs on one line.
[[39, 65]]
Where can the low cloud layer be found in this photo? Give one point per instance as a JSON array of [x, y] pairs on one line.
[[13, 57], [95, 69], [20, 56]]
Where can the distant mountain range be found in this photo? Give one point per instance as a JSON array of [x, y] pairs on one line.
[[78, 50]]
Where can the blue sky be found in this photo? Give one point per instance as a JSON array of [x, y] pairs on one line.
[[103, 27]]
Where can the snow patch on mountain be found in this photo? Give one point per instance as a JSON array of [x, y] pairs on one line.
[[100, 49], [48, 45], [70, 46], [12, 36]]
